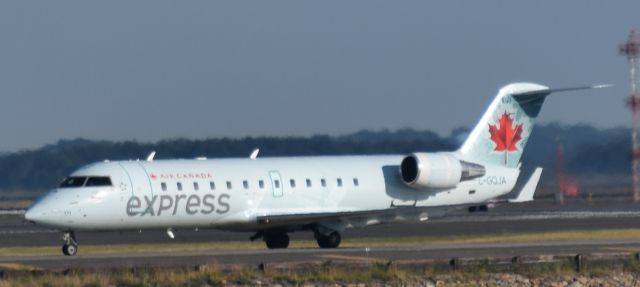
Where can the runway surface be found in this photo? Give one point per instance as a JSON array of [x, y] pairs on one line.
[[507, 219], [524, 218], [29, 235], [362, 255]]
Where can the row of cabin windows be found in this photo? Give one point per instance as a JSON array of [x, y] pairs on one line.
[[276, 183]]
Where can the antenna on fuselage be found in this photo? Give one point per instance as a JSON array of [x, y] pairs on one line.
[[254, 154], [151, 156]]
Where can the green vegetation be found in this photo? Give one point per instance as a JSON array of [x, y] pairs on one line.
[[208, 276], [348, 243]]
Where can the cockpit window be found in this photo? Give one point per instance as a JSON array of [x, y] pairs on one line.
[[80, 181], [99, 181], [74, 181]]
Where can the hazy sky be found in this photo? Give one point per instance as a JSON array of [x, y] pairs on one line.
[[149, 70]]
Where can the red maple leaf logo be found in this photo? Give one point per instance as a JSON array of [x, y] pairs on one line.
[[505, 135], [153, 176]]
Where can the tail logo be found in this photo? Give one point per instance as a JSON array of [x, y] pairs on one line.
[[504, 135]]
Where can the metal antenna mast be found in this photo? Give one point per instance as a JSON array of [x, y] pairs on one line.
[[631, 49]]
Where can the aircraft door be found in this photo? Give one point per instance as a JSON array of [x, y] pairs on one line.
[[139, 181], [276, 183]]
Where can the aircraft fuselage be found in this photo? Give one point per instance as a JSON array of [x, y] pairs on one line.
[[233, 193]]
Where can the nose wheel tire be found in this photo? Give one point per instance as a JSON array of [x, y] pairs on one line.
[[332, 240], [70, 249], [278, 240]]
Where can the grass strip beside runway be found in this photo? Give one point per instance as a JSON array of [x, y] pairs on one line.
[[378, 242]]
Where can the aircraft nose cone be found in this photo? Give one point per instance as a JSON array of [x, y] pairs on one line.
[[35, 213], [28, 215], [41, 211]]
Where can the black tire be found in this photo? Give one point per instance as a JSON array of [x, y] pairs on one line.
[[70, 250], [277, 240], [329, 241]]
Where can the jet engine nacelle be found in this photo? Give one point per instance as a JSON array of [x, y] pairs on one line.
[[437, 170]]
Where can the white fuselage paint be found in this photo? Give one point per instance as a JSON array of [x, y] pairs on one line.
[[136, 199]]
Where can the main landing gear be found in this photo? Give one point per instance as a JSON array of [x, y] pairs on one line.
[[331, 240], [276, 240], [70, 247], [279, 239]]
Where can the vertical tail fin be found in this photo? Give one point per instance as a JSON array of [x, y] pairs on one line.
[[503, 131]]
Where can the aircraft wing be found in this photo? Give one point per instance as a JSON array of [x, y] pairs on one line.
[[373, 216]]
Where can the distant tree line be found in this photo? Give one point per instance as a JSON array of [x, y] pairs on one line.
[[588, 151]]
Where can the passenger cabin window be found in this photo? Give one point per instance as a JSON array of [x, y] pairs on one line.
[[308, 182], [245, 184], [195, 186], [163, 186], [292, 182], [212, 185], [339, 182], [180, 186], [98, 181], [323, 182], [261, 184], [276, 183], [229, 185], [355, 182]]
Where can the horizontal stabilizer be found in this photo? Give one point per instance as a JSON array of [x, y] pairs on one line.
[[527, 191], [548, 91]]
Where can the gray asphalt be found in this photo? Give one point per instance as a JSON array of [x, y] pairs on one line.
[[530, 217], [491, 223], [534, 217]]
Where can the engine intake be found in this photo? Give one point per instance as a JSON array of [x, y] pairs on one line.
[[437, 170]]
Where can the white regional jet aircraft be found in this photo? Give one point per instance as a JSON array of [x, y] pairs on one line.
[[275, 196]]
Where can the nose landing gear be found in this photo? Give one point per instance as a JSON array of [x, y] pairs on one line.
[[70, 247]]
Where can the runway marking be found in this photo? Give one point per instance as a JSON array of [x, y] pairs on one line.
[[352, 258], [632, 249], [12, 211], [546, 252], [28, 254], [18, 266], [538, 215], [34, 231]]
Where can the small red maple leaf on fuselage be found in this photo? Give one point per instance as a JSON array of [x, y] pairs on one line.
[[505, 135]]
